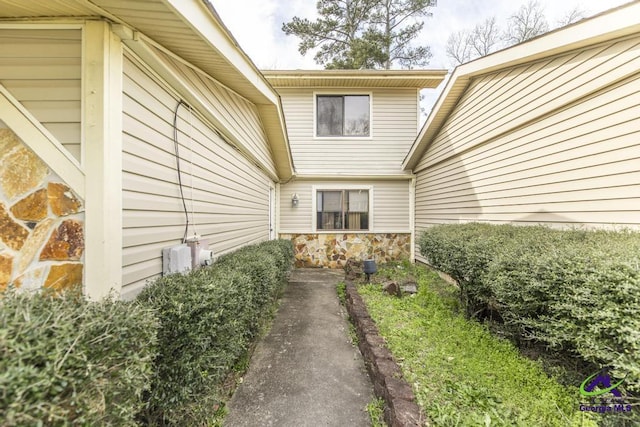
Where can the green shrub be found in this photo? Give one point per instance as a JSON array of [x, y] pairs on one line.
[[208, 319], [464, 252], [576, 291], [67, 361]]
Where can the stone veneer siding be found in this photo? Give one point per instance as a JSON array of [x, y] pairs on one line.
[[333, 250], [41, 222]]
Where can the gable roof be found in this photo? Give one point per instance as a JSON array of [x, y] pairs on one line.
[[192, 30], [616, 23]]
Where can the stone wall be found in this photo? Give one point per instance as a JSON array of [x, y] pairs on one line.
[[41, 222], [333, 250]]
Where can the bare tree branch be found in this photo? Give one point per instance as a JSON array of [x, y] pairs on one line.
[[458, 47], [485, 38], [571, 16], [528, 22]]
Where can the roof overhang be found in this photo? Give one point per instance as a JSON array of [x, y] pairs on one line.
[[189, 28], [416, 79], [610, 25]]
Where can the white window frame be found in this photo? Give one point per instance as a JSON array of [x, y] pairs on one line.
[[338, 187], [342, 93]]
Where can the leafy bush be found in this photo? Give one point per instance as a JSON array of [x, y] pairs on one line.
[[64, 360], [464, 252], [208, 319], [576, 291]]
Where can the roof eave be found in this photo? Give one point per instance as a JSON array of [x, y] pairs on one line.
[[346, 78], [202, 18], [610, 25], [212, 30]]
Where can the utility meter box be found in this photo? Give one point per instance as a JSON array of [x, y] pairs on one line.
[[201, 255], [176, 259]]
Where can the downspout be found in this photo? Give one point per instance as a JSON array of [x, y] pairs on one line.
[[412, 217], [277, 213]]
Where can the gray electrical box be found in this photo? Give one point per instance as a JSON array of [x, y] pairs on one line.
[[176, 259]]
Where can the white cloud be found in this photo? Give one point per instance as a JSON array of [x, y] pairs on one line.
[[257, 25]]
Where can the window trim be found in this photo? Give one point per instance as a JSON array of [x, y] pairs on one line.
[[342, 93], [338, 187]]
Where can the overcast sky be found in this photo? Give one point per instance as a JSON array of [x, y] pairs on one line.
[[257, 25]]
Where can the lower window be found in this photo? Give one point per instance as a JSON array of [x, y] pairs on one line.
[[342, 209]]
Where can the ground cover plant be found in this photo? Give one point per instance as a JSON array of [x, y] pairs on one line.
[[68, 361], [461, 374], [208, 321], [575, 292]]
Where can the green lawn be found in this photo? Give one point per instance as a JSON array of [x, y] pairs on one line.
[[461, 374]]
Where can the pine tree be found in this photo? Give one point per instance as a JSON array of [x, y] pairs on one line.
[[357, 34]]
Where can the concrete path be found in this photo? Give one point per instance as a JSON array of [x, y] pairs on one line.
[[305, 372]]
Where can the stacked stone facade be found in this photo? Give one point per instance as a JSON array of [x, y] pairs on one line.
[[333, 250], [41, 222]]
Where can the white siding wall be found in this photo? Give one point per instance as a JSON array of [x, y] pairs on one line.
[[577, 163], [394, 124], [42, 69], [390, 205], [234, 112], [230, 195]]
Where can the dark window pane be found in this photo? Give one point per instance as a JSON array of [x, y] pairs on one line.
[[329, 207], [356, 115], [329, 115], [342, 210], [329, 221], [364, 221]]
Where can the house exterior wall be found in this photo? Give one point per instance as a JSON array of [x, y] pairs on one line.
[[388, 237], [394, 123], [42, 69], [230, 197], [390, 204], [553, 142], [41, 222], [236, 114]]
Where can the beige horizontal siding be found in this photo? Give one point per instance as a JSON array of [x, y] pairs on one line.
[[236, 114], [393, 130], [576, 165], [226, 195], [390, 204], [501, 101], [42, 69]]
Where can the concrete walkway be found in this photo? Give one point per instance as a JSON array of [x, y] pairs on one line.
[[305, 372]]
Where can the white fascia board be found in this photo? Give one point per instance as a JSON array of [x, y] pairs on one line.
[[199, 15], [355, 177]]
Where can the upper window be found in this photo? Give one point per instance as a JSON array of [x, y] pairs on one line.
[[342, 210], [342, 115]]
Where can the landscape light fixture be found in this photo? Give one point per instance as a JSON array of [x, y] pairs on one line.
[[370, 268]]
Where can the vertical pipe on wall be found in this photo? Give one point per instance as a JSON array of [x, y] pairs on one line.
[[412, 216]]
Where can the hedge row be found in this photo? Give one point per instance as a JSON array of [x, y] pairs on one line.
[[157, 360], [208, 319], [576, 291], [67, 361]]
